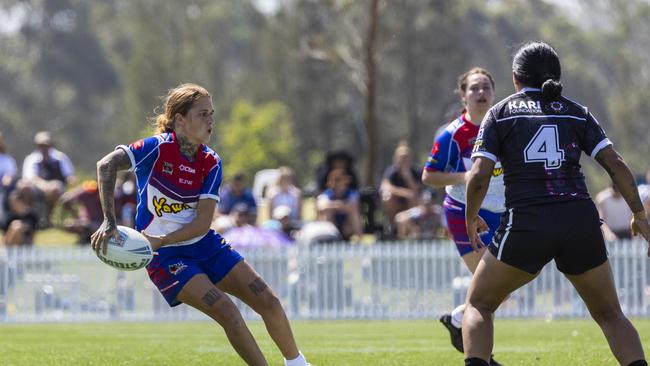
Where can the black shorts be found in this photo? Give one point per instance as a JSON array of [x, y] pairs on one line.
[[569, 232]]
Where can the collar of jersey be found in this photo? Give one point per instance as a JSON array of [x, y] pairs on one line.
[[527, 89]]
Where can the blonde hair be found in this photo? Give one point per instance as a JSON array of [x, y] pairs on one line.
[[179, 100], [401, 149]]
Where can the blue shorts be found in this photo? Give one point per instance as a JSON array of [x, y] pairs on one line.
[[455, 215], [174, 266]]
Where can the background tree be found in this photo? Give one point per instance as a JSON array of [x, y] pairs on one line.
[[91, 71]]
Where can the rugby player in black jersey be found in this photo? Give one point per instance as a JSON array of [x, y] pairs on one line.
[[538, 135]]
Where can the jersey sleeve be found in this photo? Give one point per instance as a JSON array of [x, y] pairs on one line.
[[441, 153], [142, 152], [487, 140], [212, 180], [594, 138]]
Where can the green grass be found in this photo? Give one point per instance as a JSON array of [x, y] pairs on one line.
[[325, 343]]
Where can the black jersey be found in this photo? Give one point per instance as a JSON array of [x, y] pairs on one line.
[[539, 144]]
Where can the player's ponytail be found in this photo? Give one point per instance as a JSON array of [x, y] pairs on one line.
[[163, 124], [179, 100], [551, 89]]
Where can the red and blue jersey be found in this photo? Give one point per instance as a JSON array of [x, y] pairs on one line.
[[169, 185], [452, 151]]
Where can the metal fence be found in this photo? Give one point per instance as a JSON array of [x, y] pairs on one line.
[[333, 281]]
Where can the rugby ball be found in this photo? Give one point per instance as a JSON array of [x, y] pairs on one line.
[[132, 251]]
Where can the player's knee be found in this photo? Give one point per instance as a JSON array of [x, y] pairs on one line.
[[481, 305], [607, 314], [270, 303], [226, 314]]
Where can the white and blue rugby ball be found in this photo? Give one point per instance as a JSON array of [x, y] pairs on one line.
[[132, 251]]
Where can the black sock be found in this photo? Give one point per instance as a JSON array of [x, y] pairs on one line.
[[475, 361], [639, 363]]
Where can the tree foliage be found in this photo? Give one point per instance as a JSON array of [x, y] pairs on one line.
[[92, 71], [255, 138]]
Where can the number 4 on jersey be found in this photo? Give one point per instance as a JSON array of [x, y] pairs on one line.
[[545, 147]]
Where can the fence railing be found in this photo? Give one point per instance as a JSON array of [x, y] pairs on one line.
[[333, 281]]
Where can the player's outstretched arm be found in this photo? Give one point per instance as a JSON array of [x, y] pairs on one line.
[[478, 181], [622, 176], [107, 169]]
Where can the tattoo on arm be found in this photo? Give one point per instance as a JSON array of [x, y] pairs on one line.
[[211, 297], [257, 286], [106, 175]]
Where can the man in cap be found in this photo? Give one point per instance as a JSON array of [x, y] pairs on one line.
[[48, 169]]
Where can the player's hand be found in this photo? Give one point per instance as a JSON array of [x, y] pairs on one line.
[[155, 241], [639, 225], [475, 227], [99, 240]]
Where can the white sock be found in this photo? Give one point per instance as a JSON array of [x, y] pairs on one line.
[[298, 361], [457, 316]]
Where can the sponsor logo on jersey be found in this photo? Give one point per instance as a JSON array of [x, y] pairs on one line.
[[556, 107], [161, 206], [138, 144], [185, 181], [497, 172], [524, 106], [176, 268], [185, 168], [168, 168], [436, 148]]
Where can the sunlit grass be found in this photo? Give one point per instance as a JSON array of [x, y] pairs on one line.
[[326, 343]]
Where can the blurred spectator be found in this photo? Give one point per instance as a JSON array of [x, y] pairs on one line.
[[615, 213], [285, 193], [48, 169], [423, 221], [336, 160], [400, 186], [339, 204], [126, 198], [18, 218], [318, 232], [7, 165], [241, 213], [281, 221], [83, 206], [234, 193], [7, 180]]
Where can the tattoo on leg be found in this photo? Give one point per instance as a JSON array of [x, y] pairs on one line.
[[211, 297], [257, 286]]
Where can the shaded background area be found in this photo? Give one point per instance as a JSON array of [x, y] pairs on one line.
[[293, 79]]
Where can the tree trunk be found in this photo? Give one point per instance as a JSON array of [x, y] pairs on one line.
[[371, 98]]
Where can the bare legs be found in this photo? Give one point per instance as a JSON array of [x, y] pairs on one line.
[[494, 280], [243, 282], [596, 287], [471, 260], [201, 294]]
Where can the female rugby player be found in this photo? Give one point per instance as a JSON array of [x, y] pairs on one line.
[[447, 166], [178, 179], [538, 135]]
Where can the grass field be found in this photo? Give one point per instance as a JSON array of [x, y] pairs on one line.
[[326, 343]]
